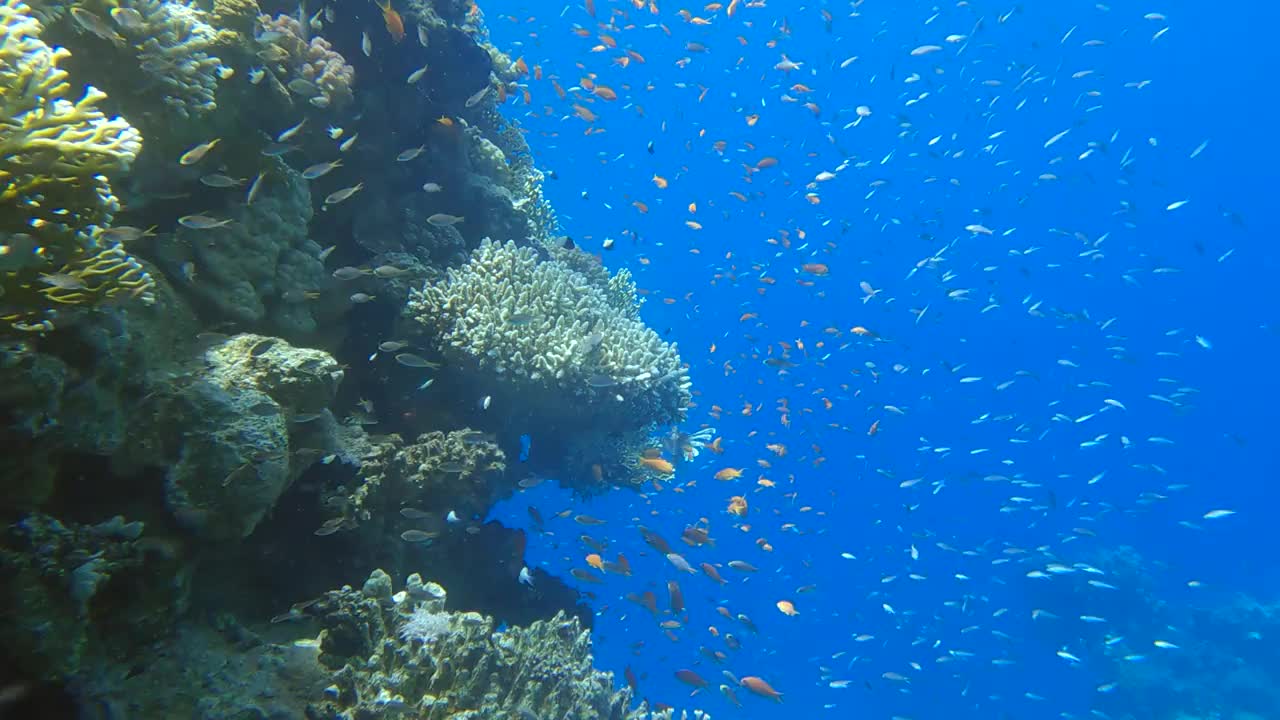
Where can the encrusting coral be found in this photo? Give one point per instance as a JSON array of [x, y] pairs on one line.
[[401, 652], [562, 347], [55, 156]]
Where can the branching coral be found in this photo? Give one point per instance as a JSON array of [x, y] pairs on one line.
[[307, 68], [55, 155], [558, 342]]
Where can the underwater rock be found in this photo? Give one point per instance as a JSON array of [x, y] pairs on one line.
[[413, 656], [72, 589], [233, 450], [85, 389]]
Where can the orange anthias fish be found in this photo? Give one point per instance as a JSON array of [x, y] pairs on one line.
[[658, 465], [760, 687], [728, 474], [738, 506], [395, 24]]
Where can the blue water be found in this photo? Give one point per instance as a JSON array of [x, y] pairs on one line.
[[1086, 289]]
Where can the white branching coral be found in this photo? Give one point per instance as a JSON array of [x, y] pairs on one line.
[[550, 334], [424, 625]]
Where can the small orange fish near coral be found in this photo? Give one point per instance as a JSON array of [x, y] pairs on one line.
[[728, 474], [658, 465], [395, 24]]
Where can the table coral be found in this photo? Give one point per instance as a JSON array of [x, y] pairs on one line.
[[559, 344]]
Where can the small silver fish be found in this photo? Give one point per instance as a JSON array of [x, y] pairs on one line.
[[478, 96], [444, 219], [125, 234], [389, 272], [95, 25], [432, 187], [62, 281], [349, 273], [127, 18], [411, 153], [288, 133], [220, 181], [422, 36], [253, 189], [278, 149], [303, 87], [366, 45], [340, 195], [390, 346], [415, 361], [319, 170], [202, 222], [416, 75], [361, 298], [348, 143], [416, 536], [197, 153]]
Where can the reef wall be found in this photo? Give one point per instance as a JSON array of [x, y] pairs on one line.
[[251, 350]]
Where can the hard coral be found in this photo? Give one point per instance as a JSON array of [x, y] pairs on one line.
[[55, 155], [467, 670], [560, 345], [308, 68]]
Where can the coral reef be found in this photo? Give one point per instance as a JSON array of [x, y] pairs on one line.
[[259, 271], [398, 652], [249, 456], [62, 579], [242, 432], [461, 470], [557, 345], [55, 157], [304, 67], [173, 43]]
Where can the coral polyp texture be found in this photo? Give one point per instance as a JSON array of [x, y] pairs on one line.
[[562, 347], [56, 153]]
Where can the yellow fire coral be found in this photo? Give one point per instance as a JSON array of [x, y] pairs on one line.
[[55, 155]]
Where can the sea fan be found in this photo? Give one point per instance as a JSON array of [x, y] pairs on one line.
[[424, 626]]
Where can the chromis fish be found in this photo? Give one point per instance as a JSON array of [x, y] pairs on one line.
[[202, 222], [444, 219], [319, 170], [198, 153], [338, 196]]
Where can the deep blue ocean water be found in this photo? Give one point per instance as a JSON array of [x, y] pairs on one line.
[[1086, 289]]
